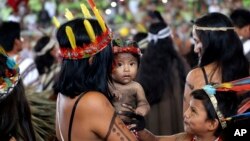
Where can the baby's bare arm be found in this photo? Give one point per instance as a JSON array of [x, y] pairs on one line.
[[142, 103]]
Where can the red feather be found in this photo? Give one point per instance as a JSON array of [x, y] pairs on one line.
[[91, 3], [244, 108]]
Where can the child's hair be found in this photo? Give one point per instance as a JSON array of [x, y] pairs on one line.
[[126, 46], [78, 74], [15, 113], [44, 60]]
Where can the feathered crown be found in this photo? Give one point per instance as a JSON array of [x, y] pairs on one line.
[[236, 86], [9, 74], [97, 42], [126, 47]]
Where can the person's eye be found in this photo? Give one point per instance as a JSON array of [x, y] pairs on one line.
[[193, 110], [119, 64], [132, 63]]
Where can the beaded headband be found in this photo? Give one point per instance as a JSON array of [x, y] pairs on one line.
[[98, 43], [210, 90], [8, 80], [128, 49], [212, 28], [237, 86]]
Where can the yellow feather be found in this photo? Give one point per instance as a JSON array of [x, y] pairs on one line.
[[225, 85], [56, 22], [71, 37], [99, 19], [85, 11], [90, 30], [68, 14], [2, 51]]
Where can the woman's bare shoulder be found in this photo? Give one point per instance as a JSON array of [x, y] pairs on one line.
[[194, 73], [195, 78], [95, 100]]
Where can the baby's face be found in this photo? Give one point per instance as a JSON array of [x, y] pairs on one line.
[[125, 68]]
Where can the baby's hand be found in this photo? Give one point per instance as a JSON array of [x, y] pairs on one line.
[[141, 111]]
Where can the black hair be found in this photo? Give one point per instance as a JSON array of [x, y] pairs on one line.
[[240, 17], [222, 47], [126, 43], [43, 62], [157, 66], [227, 104], [78, 76], [139, 36], [9, 31], [155, 16]]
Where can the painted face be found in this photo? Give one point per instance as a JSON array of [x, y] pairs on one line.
[[125, 68], [197, 44], [195, 118]]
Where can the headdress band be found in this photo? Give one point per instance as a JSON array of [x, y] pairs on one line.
[[143, 43], [49, 46], [97, 42], [89, 50], [164, 33], [128, 49], [212, 28], [211, 91]]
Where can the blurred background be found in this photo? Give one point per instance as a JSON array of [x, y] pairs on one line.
[[125, 17]]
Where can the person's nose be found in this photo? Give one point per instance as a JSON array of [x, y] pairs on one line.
[[186, 113], [126, 68], [197, 49]]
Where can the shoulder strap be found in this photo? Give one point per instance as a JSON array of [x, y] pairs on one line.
[[72, 116], [204, 74]]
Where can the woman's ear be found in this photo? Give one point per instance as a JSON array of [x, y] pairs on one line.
[[213, 124]]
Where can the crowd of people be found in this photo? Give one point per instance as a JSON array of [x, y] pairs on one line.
[[97, 84]]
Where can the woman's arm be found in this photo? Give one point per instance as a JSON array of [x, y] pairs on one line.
[[145, 135]]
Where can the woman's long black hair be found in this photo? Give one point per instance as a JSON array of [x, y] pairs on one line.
[[157, 73], [223, 47], [78, 76]]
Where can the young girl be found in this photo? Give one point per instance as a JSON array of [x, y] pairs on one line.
[[209, 117], [124, 88]]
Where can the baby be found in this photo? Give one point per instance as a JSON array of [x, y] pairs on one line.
[[124, 89]]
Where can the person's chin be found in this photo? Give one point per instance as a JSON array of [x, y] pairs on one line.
[[186, 127], [126, 81]]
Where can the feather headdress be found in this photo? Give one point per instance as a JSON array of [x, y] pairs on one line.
[[97, 42], [237, 86], [9, 74]]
